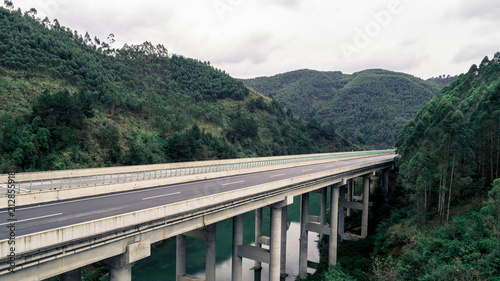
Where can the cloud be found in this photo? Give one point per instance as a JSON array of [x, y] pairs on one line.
[[254, 38], [475, 52], [479, 9], [254, 49]]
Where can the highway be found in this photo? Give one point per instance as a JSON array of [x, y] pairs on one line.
[[37, 218]]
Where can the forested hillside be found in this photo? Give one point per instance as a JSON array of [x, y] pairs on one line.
[[70, 101], [443, 80], [441, 220], [369, 107], [452, 148]]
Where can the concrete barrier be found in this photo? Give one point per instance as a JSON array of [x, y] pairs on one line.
[[45, 175], [43, 239], [45, 196]]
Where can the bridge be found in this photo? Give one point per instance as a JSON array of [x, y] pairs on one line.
[[59, 221]]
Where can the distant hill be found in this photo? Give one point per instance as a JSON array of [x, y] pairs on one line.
[[369, 107], [69, 101], [443, 80]]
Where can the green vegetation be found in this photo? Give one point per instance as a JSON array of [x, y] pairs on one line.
[[68, 101], [451, 151], [444, 221], [369, 107], [443, 80]]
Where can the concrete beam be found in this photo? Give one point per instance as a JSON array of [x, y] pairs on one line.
[[288, 200], [313, 265], [353, 205], [138, 251], [190, 278], [316, 219], [265, 240], [318, 228], [254, 253], [199, 233]]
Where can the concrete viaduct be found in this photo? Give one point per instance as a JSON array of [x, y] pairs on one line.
[[64, 220]]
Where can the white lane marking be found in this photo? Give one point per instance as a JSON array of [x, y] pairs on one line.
[[277, 175], [32, 219], [160, 195], [329, 166], [307, 170], [229, 183], [71, 201]]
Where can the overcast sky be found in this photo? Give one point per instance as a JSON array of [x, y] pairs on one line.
[[248, 39]]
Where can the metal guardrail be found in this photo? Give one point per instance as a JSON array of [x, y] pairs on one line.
[[110, 178]]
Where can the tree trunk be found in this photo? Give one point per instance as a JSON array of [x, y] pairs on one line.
[[498, 155], [491, 160], [449, 191], [425, 200]]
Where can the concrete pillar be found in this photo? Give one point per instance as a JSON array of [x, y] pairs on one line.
[[350, 194], [119, 270], [74, 275], [237, 261], [366, 198], [275, 244], [385, 178], [304, 217], [180, 257], [211, 253], [334, 213], [258, 233], [323, 205], [120, 266], [283, 273], [341, 208]]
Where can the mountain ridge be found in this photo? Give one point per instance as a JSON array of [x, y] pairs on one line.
[[325, 95], [142, 105]]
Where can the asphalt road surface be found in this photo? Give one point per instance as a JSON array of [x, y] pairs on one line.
[[36, 218]]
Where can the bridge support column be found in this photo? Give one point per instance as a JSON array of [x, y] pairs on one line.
[[334, 215], [385, 180], [120, 272], [120, 267], [323, 207], [304, 217], [74, 275], [208, 234], [283, 273], [180, 257], [366, 202], [275, 244], [350, 194], [341, 209], [237, 262], [210, 263], [258, 234]]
